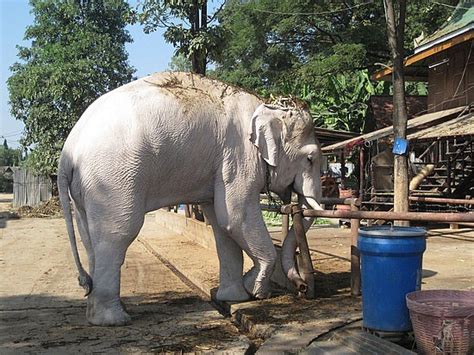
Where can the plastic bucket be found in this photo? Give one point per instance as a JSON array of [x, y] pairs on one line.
[[391, 265]]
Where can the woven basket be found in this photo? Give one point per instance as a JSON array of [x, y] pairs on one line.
[[443, 321]]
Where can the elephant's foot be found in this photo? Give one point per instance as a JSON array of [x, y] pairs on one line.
[[112, 314], [258, 289], [233, 293]]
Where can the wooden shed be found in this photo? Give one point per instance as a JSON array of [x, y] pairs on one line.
[[445, 60], [441, 138]]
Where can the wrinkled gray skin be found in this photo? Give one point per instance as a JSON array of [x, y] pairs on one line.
[[180, 138]]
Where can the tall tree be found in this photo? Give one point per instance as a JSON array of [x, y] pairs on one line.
[[9, 156], [303, 48], [395, 16], [77, 53], [188, 27]]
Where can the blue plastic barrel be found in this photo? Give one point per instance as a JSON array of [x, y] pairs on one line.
[[391, 265]]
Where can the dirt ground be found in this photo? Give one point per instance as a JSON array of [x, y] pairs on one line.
[[448, 262], [42, 309]]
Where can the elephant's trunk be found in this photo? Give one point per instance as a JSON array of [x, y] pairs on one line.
[[288, 251]]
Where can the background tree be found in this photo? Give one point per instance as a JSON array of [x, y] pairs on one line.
[[315, 50], [77, 53], [180, 63], [9, 156], [395, 12], [187, 27]]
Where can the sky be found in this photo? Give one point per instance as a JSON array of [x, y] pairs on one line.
[[147, 54]]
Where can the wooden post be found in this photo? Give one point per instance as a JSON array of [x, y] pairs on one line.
[[305, 264], [355, 255], [285, 226], [395, 34], [361, 172], [187, 211], [343, 169]]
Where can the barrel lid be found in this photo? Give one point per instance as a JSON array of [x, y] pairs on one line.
[[392, 231]]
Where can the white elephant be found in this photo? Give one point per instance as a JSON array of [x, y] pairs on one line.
[[181, 138]]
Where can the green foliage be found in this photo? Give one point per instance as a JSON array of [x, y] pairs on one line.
[[343, 104], [273, 42], [273, 219], [180, 63], [195, 35], [424, 17], [9, 156], [77, 53], [319, 51]]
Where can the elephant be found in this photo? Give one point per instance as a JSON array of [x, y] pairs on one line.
[[174, 138]]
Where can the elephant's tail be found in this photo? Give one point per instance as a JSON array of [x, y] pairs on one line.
[[64, 179]]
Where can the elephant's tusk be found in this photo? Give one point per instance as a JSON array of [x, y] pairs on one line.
[[314, 204]]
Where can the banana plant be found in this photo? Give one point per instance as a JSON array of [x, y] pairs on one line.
[[344, 104]]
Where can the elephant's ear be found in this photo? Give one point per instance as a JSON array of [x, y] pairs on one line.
[[268, 132]]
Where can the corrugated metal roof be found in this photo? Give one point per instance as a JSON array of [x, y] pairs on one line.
[[420, 122], [462, 20], [460, 126], [330, 136]]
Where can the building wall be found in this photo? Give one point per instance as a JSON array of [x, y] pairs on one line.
[[451, 78]]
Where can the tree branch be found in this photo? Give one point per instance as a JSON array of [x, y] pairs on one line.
[[214, 16]]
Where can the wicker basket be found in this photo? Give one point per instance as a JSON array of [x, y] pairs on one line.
[[443, 321]]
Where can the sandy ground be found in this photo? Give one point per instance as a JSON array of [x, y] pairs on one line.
[[448, 262], [42, 309]]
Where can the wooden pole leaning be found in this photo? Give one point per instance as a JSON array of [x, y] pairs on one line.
[[355, 255], [305, 264]]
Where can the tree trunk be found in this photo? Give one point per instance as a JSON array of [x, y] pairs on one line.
[[198, 23], [203, 53], [395, 33]]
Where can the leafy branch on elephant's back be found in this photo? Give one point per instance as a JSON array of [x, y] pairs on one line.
[[77, 53]]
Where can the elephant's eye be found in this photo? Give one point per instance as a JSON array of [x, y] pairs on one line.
[[310, 158]]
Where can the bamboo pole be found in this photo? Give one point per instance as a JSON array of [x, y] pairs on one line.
[[305, 264], [355, 255], [448, 201], [285, 226], [401, 216]]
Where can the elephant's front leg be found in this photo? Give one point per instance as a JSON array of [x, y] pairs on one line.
[[231, 286], [240, 216]]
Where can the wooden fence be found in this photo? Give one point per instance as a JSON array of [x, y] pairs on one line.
[[30, 189]]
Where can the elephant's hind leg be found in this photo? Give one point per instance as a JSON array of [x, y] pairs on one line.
[[104, 306], [231, 286]]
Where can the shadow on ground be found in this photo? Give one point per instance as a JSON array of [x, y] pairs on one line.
[[291, 308], [167, 322], [5, 216], [331, 283], [332, 300]]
